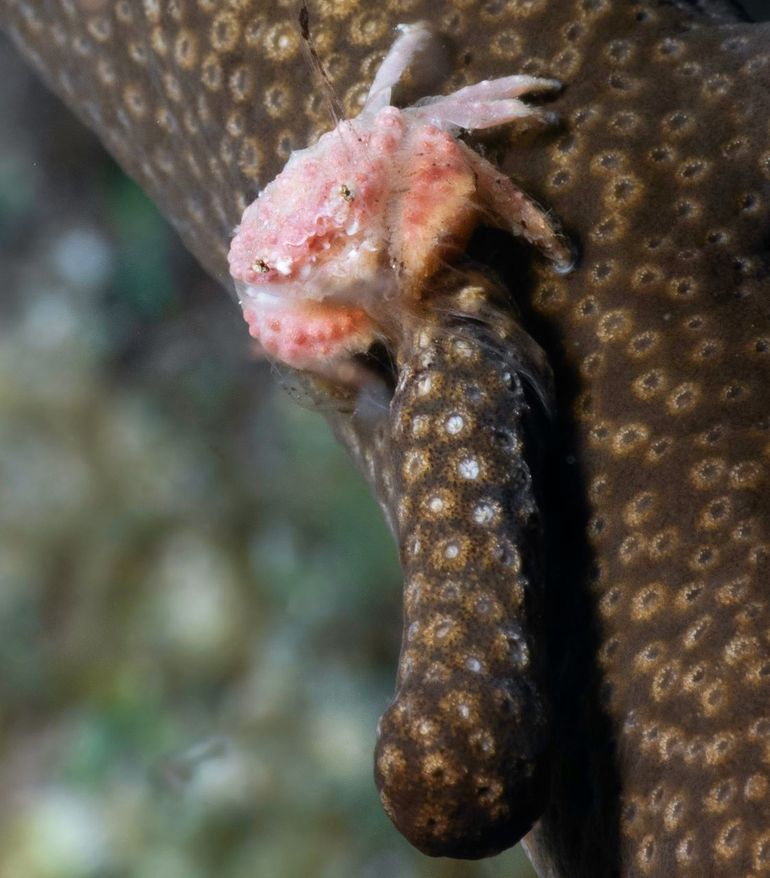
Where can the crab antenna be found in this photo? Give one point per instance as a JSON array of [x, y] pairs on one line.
[[311, 55]]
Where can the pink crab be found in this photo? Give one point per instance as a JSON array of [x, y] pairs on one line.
[[353, 226]]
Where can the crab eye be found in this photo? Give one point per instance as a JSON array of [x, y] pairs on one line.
[[345, 191], [260, 266]]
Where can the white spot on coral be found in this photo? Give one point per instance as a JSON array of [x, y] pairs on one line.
[[473, 664], [452, 551], [454, 424], [436, 504], [483, 513], [469, 468]]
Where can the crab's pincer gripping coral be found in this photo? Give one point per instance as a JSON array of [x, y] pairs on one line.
[[338, 249]]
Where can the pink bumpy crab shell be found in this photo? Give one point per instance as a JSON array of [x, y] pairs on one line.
[[354, 225]]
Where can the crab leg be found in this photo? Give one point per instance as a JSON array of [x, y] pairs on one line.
[[518, 213], [504, 87], [475, 115], [412, 42]]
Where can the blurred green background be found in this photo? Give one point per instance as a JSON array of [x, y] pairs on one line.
[[199, 601]]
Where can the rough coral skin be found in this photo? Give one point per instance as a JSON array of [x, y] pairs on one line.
[[353, 226]]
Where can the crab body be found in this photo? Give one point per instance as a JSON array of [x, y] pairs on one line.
[[381, 202], [343, 240]]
